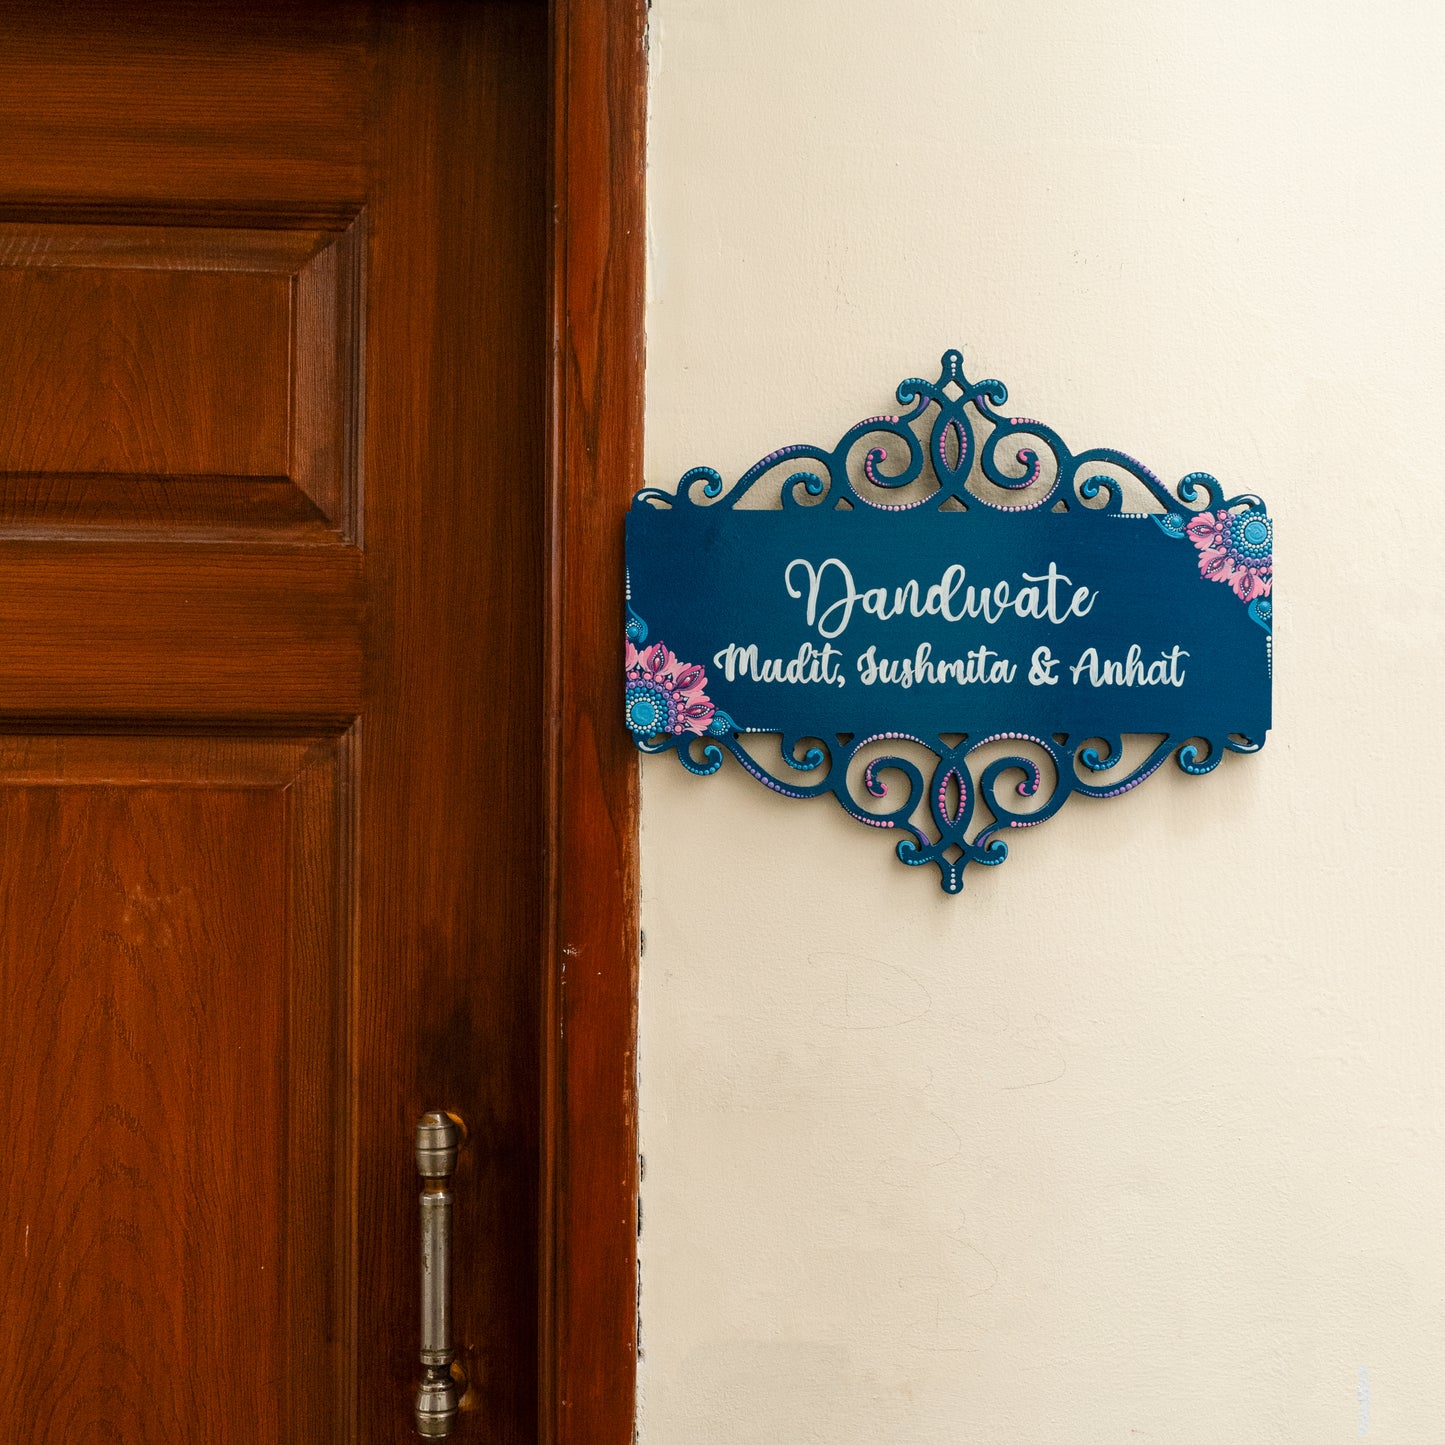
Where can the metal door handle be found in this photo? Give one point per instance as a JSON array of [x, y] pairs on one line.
[[437, 1140]]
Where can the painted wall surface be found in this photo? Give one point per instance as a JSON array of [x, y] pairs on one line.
[[1142, 1137]]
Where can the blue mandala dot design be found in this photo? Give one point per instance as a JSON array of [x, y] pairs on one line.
[[1251, 535], [649, 710]]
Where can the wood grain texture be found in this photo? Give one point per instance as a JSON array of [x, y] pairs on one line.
[[258, 104], [589, 1334], [174, 975], [178, 379], [179, 632], [106, 369], [191, 610], [452, 860]]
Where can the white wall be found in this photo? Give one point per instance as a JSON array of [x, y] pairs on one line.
[[1140, 1138]]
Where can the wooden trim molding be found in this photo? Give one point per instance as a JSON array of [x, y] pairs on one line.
[[588, 1317]]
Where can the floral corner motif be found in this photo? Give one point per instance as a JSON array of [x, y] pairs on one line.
[[1236, 548], [667, 695]]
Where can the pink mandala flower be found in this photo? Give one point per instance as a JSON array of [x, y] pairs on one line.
[[1236, 548], [665, 695]]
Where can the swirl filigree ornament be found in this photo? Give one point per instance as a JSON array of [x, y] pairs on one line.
[[949, 446], [973, 454], [955, 787]]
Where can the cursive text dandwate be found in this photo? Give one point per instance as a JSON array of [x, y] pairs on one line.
[[832, 595]]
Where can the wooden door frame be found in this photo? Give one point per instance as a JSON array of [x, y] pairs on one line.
[[596, 259]]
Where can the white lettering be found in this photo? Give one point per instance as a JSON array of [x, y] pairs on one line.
[[1131, 670], [831, 594]]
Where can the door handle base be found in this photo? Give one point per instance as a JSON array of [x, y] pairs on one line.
[[436, 1403]]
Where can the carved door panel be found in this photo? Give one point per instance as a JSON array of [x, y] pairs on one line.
[[272, 351]]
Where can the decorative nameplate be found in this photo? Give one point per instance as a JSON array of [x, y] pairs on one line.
[[1008, 619]]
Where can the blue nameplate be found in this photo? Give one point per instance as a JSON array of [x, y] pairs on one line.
[[958, 579]]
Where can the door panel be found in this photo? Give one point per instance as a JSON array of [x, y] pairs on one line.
[[272, 371], [175, 973], [179, 378]]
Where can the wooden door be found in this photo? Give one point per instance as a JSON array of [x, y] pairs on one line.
[[272, 393]]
